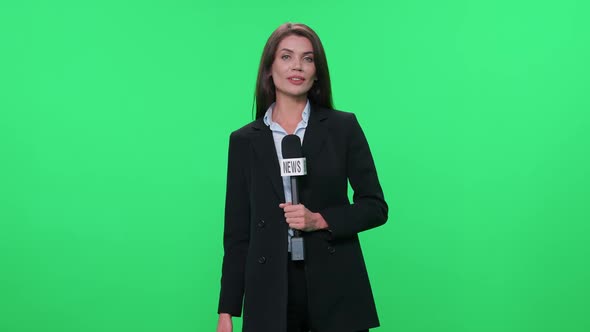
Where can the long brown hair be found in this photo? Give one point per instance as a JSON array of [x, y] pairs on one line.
[[320, 93]]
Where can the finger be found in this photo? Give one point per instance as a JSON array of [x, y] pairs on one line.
[[293, 208], [295, 226], [298, 206], [296, 221], [283, 205], [294, 214]]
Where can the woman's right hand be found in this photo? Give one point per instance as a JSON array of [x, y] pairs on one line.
[[224, 323]]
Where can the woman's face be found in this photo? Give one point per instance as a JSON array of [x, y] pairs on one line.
[[293, 68]]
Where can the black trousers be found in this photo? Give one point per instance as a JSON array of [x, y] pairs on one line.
[[297, 307]]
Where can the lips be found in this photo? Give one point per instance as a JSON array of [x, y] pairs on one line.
[[297, 80]]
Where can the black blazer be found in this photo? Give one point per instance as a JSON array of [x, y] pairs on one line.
[[255, 242]]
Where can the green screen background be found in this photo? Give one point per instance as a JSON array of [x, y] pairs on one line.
[[114, 124]]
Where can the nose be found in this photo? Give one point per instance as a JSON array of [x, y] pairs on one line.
[[297, 66]]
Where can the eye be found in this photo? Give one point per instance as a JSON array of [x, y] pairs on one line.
[[308, 59], [285, 56]]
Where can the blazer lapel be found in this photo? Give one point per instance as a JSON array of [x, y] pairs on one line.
[[315, 138], [315, 133], [264, 146]]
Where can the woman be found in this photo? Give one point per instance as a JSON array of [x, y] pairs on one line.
[[329, 291]]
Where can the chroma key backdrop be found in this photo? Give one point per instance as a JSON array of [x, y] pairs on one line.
[[114, 126]]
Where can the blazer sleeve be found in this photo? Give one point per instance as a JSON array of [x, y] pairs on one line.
[[236, 227], [369, 208]]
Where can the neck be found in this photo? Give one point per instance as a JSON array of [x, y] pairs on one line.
[[289, 109]]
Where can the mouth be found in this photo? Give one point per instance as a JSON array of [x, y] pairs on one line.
[[296, 80]]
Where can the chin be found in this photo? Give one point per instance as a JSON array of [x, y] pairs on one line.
[[300, 92]]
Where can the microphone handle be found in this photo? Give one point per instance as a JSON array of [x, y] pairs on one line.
[[295, 199], [294, 190]]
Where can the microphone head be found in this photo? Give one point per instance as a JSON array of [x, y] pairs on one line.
[[291, 146]]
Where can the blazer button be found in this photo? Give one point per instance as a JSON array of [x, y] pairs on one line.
[[331, 249], [261, 259], [261, 223]]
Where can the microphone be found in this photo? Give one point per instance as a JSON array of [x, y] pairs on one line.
[[294, 165]]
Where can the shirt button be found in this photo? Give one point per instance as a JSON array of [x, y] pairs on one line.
[[261, 223], [261, 259], [331, 249]]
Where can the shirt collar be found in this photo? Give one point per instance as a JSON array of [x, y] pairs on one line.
[[304, 116]]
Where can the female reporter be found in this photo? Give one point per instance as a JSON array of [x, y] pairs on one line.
[[329, 290]]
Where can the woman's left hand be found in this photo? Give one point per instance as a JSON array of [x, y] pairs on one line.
[[299, 217]]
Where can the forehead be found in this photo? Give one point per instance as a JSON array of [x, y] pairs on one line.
[[295, 43]]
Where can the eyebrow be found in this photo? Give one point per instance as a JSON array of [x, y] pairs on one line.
[[291, 51]]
